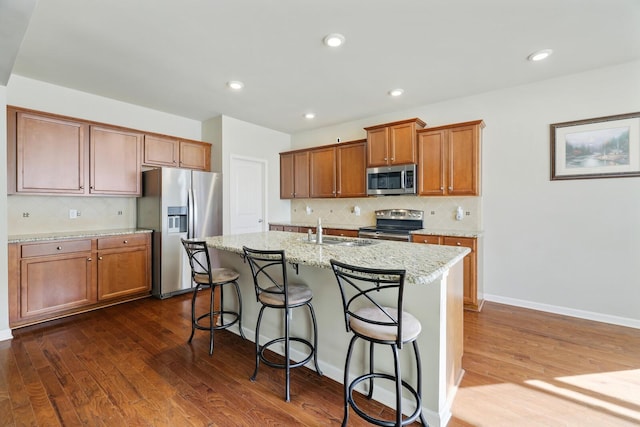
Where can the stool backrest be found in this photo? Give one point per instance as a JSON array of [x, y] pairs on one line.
[[198, 254], [269, 270], [379, 289]]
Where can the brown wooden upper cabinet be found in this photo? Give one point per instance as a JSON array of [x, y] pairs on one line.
[[165, 151], [115, 161], [50, 154], [338, 170], [161, 151], [294, 174], [393, 143], [449, 159]]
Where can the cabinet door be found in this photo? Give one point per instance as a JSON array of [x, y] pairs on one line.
[[402, 144], [470, 269], [322, 172], [464, 153], [55, 283], [195, 155], [378, 147], [351, 170], [159, 151], [50, 155], [301, 175], [431, 163], [286, 176], [123, 272], [115, 166]]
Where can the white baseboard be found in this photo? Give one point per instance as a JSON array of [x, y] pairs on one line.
[[5, 335], [582, 314]]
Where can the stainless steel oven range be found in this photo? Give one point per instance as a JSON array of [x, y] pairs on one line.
[[394, 224]]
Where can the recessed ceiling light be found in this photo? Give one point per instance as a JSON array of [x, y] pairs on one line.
[[396, 92], [235, 85], [334, 40], [309, 116], [540, 55]]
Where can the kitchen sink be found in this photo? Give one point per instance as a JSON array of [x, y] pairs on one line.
[[341, 242]]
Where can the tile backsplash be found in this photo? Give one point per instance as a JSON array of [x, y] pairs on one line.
[[45, 214], [439, 212]]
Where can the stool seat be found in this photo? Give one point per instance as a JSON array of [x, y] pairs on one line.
[[298, 294], [218, 276], [371, 328]]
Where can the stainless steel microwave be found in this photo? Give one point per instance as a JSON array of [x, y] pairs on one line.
[[387, 180]]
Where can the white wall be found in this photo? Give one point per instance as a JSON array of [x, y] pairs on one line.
[[5, 332], [247, 140], [563, 246]]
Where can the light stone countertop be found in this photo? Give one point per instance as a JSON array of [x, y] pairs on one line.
[[423, 263], [427, 231], [66, 235]]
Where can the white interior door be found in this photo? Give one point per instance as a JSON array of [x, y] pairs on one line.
[[247, 198]]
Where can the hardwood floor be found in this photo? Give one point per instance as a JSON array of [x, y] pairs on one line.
[[129, 365]]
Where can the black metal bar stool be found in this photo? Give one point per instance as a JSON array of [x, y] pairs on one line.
[[206, 277], [273, 290], [372, 300]]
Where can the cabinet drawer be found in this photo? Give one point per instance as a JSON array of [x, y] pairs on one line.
[[467, 242], [426, 238], [290, 228], [55, 248], [123, 241]]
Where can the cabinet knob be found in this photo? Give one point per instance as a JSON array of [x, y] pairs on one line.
[[393, 158], [89, 259], [125, 241], [441, 188], [82, 187], [99, 258], [457, 243], [450, 188], [59, 248]]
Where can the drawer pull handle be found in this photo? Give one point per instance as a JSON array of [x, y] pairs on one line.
[[458, 243], [125, 242], [59, 248]]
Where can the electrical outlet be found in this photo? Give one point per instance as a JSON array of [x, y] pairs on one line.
[[119, 212], [25, 214]]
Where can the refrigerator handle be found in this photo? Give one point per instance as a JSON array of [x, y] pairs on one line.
[[191, 231]]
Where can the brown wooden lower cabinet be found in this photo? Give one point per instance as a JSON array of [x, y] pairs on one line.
[[326, 231], [53, 279], [470, 264], [340, 232]]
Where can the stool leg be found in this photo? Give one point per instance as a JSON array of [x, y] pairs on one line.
[[235, 283], [255, 373], [398, 385], [211, 325], [347, 396], [221, 313], [193, 311], [371, 348], [315, 338], [419, 383], [287, 361]]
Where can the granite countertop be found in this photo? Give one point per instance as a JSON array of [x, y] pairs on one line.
[[446, 232], [423, 263], [64, 235], [313, 224]]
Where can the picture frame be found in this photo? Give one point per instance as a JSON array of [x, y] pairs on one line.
[[603, 147]]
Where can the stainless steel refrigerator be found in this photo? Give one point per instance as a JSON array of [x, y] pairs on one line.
[[175, 204]]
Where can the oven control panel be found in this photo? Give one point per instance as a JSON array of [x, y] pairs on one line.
[[401, 214]]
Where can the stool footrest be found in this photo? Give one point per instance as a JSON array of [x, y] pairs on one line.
[[206, 326], [377, 421], [268, 362]]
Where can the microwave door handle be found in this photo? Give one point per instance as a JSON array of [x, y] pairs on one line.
[[402, 183]]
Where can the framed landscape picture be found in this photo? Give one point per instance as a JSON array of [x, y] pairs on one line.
[[605, 147]]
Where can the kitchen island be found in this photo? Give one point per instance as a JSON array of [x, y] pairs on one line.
[[433, 293]]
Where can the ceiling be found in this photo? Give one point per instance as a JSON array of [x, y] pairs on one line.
[[177, 56]]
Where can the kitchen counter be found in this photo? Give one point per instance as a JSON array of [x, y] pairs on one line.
[[434, 295], [64, 235], [428, 231]]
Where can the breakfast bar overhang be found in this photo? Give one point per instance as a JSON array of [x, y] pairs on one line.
[[433, 294]]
